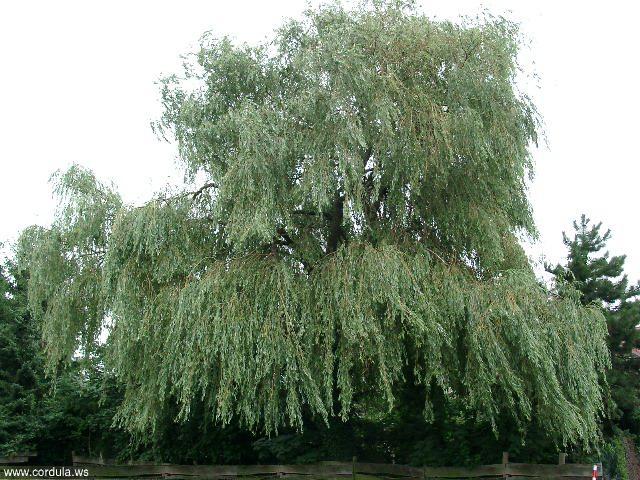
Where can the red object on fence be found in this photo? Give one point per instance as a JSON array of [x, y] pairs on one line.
[[595, 473]]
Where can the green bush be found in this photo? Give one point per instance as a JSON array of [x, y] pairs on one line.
[[614, 458]]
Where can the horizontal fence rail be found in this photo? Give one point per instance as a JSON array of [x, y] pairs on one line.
[[99, 468], [17, 458]]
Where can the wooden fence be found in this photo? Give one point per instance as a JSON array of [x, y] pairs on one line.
[[17, 458], [99, 468]]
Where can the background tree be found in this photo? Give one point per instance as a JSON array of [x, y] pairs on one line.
[[50, 417], [357, 189], [21, 368], [600, 279]]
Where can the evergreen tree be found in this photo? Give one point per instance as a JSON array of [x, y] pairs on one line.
[[21, 368], [357, 192], [50, 418], [600, 279]]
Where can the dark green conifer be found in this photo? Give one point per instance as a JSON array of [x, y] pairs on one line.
[[601, 280]]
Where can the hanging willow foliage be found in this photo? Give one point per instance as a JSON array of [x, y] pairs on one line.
[[365, 189]]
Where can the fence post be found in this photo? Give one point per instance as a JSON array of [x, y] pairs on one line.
[[505, 462], [562, 458], [353, 468]]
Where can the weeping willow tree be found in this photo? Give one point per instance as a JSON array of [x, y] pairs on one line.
[[354, 199]]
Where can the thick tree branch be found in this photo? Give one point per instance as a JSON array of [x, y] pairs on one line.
[[312, 213], [336, 232], [198, 192]]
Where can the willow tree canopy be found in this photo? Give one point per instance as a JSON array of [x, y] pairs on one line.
[[356, 190]]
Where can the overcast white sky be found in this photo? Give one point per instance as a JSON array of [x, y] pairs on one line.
[[77, 85]]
